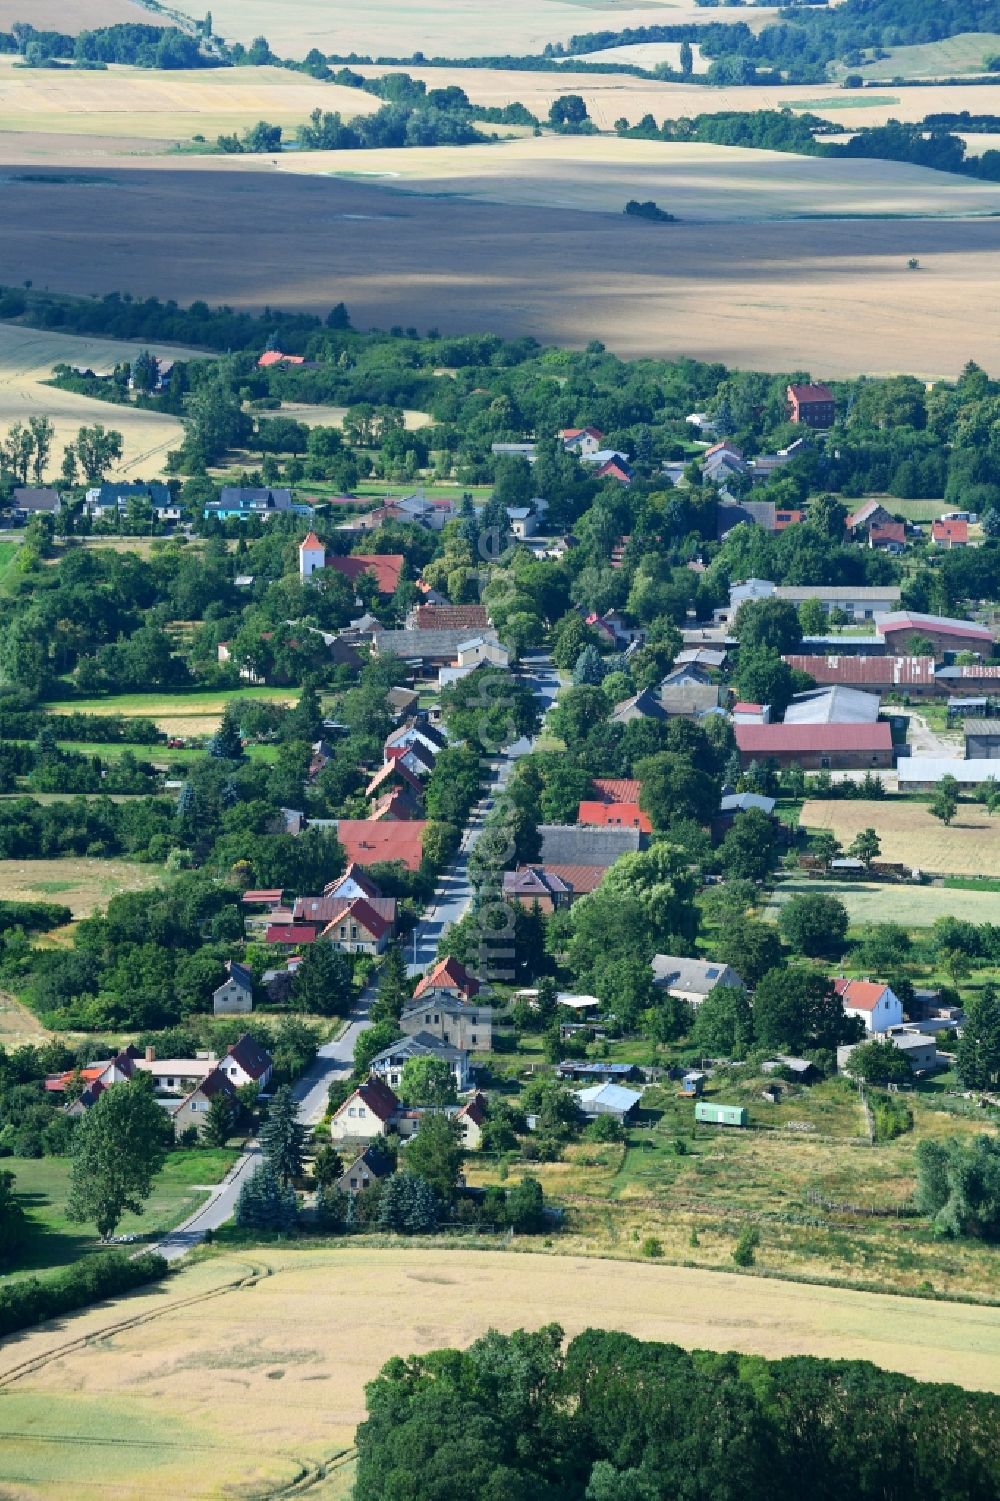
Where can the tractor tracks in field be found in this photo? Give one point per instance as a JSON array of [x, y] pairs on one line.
[[255, 1272]]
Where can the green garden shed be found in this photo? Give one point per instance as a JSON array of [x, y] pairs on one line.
[[721, 1115]]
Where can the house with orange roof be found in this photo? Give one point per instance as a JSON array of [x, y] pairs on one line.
[[272, 357], [950, 533], [875, 1003], [368, 841], [582, 441], [448, 975], [598, 815]]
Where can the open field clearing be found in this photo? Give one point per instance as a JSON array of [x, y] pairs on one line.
[[320, 416], [83, 885], [912, 906], [447, 28], [164, 106], [610, 96], [43, 1187], [911, 836], [18, 1025], [695, 181], [949, 58], [27, 356], [181, 705], [644, 55], [832, 297], [262, 1376]]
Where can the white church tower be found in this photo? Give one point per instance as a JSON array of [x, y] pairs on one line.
[[312, 555]]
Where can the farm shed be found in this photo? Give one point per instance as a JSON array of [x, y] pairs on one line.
[[816, 747], [923, 773], [608, 1099], [982, 739], [721, 1115]]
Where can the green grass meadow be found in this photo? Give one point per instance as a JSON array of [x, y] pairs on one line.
[[42, 1186]]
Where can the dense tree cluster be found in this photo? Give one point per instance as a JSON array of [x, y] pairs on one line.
[[518, 1417]]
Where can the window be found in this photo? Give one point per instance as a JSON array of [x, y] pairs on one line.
[[351, 1110], [354, 1182], [473, 1039], [361, 1112]]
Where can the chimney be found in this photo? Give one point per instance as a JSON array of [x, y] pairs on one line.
[[150, 1055]]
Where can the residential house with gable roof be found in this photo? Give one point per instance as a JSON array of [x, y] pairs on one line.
[[448, 976], [692, 980], [235, 994], [875, 1003], [451, 1021]]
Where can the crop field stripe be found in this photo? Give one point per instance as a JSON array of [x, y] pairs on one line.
[[27, 1367]]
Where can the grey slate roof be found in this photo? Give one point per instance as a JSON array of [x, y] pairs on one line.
[[420, 1045], [570, 844], [425, 644], [698, 975], [833, 705]]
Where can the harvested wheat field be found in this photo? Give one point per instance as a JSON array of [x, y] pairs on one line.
[[873, 901], [833, 297], [694, 181], [164, 107], [78, 883], [910, 835], [72, 15], [448, 28], [27, 357], [248, 1370]]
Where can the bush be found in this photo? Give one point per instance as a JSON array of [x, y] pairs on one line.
[[651, 1246], [33, 1300], [747, 1244]]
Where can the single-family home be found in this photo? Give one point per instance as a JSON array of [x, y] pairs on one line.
[[950, 534], [235, 994], [522, 521], [246, 1062], [477, 650], [600, 815], [919, 1050], [869, 514], [692, 980], [528, 885], [448, 976], [357, 928], [34, 500], [193, 1109], [888, 536], [371, 1167], [454, 1022], [388, 1065], [688, 692], [112, 497], [369, 841], [583, 441], [470, 1118], [241, 502], [368, 1112], [394, 774], [875, 1003]]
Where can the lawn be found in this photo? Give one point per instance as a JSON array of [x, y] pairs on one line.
[[912, 906], [43, 1183], [254, 1387], [79, 883], [180, 714], [910, 835]]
